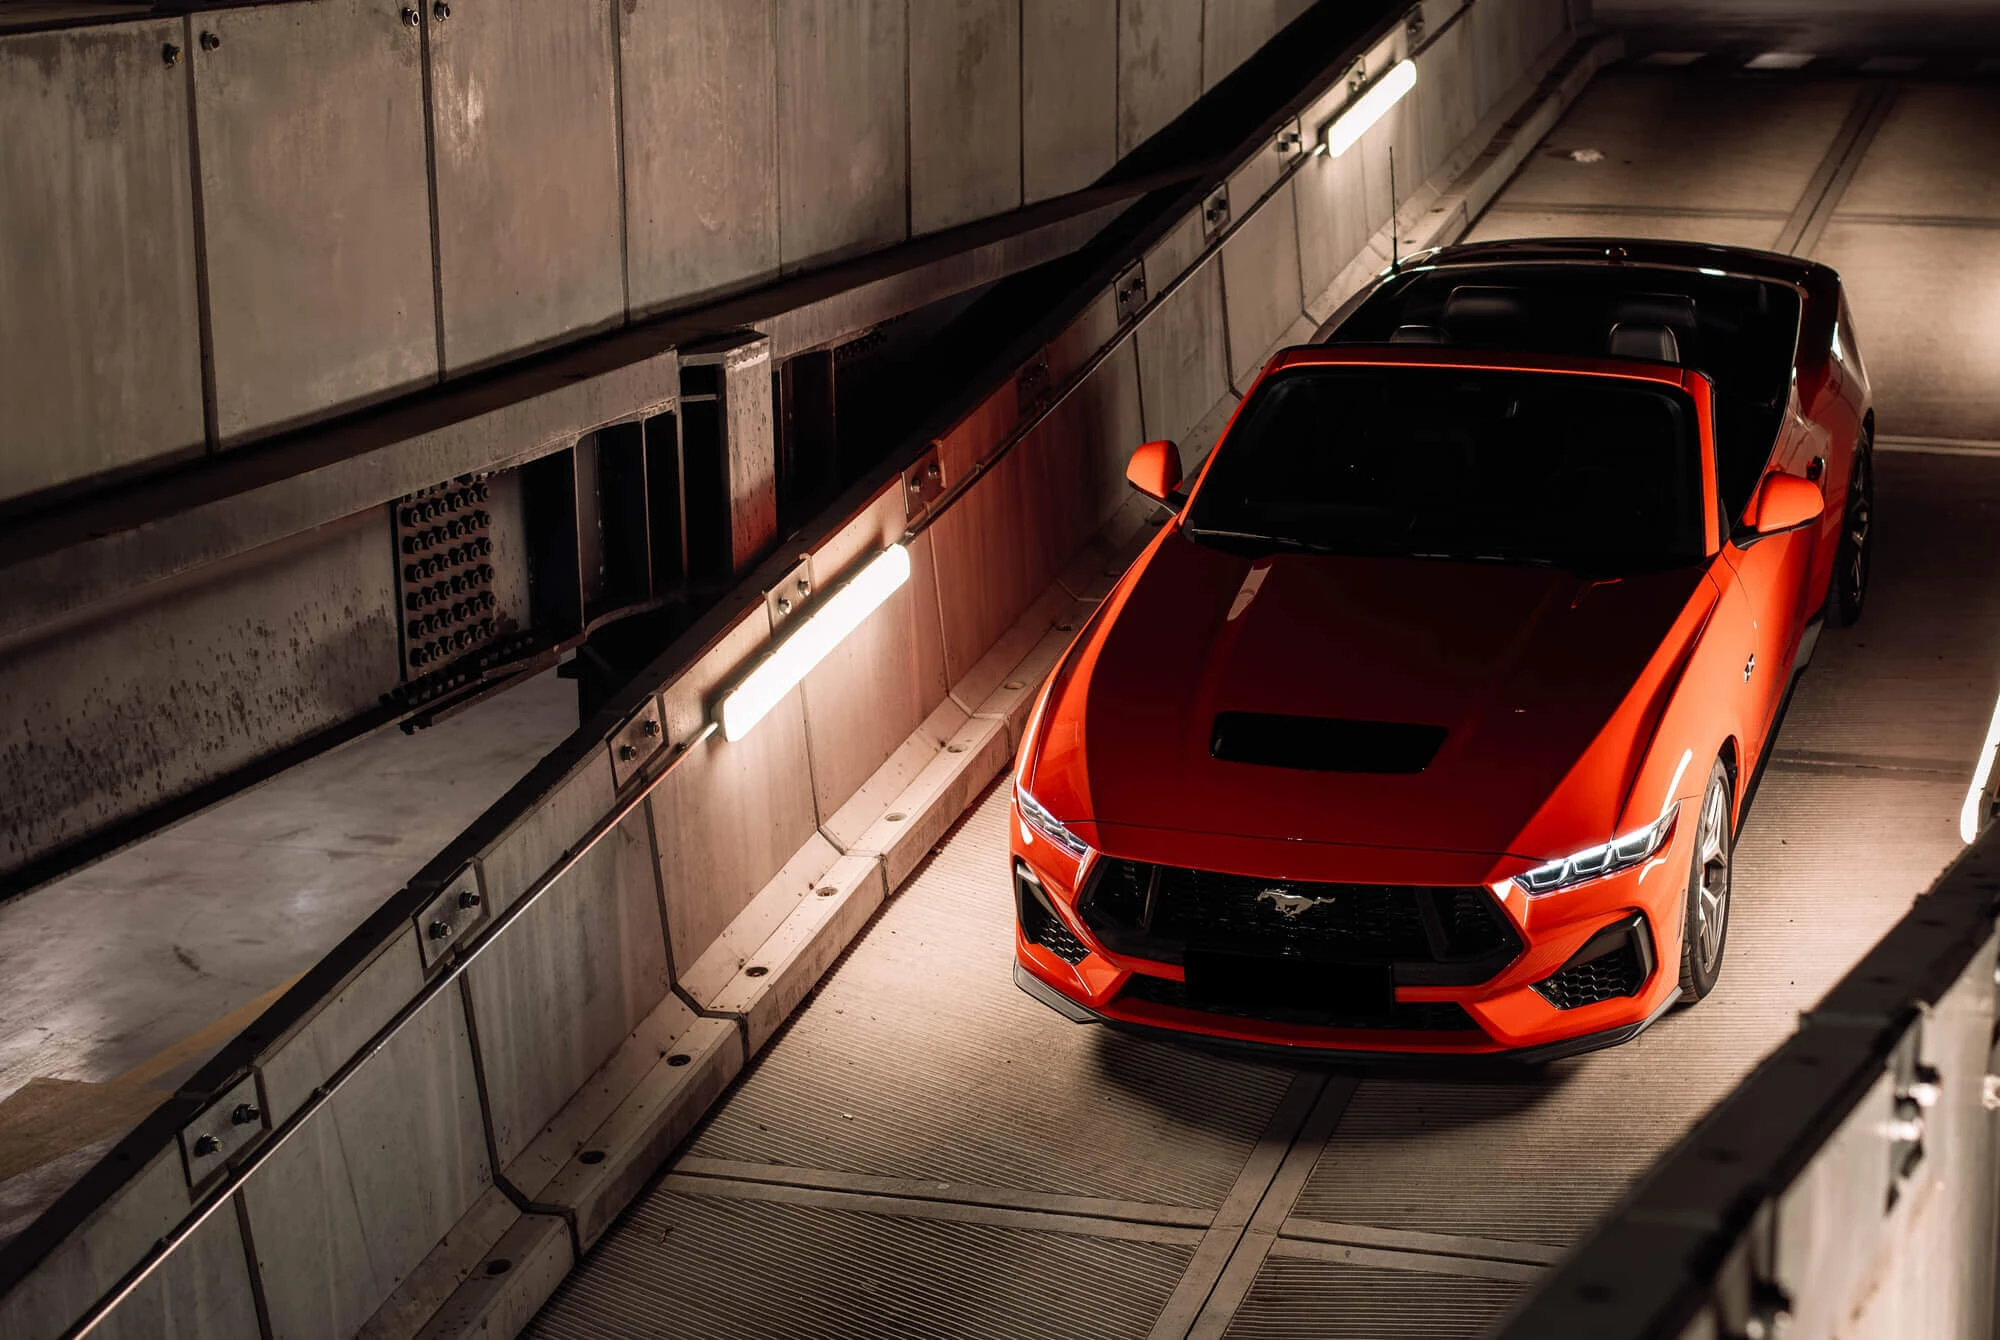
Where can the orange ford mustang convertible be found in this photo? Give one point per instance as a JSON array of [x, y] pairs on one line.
[[1426, 723]]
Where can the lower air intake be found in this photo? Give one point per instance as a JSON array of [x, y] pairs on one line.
[[1040, 923], [1615, 962]]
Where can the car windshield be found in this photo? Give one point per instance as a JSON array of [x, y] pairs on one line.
[[1587, 473]]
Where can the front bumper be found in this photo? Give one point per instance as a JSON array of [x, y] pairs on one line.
[[1292, 1053], [1513, 1015]]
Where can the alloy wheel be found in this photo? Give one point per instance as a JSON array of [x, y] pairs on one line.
[[1710, 910]]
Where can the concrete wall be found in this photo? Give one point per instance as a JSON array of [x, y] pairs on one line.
[[604, 1019], [333, 206]]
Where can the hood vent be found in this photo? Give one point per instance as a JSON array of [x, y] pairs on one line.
[[1323, 744]]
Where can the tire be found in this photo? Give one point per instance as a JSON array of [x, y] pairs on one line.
[[1847, 591], [1705, 907]]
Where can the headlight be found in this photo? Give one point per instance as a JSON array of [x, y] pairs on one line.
[[1041, 821], [1596, 862]]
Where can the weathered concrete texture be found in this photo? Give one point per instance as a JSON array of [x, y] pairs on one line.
[[1159, 65], [731, 814], [100, 360], [701, 147], [359, 1196], [843, 149], [871, 691], [1447, 101], [567, 982], [316, 209], [525, 135], [1069, 94], [1260, 286], [1233, 30], [1183, 369], [208, 1294], [965, 111], [252, 655]]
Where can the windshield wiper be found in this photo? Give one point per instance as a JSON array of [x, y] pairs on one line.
[[1255, 537]]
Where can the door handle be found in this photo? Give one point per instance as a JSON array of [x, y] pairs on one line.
[[1748, 666], [1816, 468]]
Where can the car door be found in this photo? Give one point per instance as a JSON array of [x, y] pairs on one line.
[[1771, 572]]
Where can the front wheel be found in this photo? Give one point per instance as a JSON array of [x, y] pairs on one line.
[[1705, 929], [1848, 591]]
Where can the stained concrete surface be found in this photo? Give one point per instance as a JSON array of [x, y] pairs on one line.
[[117, 982]]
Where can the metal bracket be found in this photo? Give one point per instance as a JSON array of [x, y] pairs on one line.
[[226, 1127], [447, 919], [1215, 213], [1413, 30], [636, 741], [1917, 1088], [923, 484], [1289, 141], [1031, 384], [791, 594], [1128, 292]]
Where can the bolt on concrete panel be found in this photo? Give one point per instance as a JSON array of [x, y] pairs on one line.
[[100, 355], [965, 111], [1069, 94], [316, 210], [525, 136], [1159, 65], [843, 116], [701, 147]]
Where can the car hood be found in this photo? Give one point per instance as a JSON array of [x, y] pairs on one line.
[[1546, 685]]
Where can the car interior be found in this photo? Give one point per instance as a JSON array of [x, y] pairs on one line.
[[1740, 332]]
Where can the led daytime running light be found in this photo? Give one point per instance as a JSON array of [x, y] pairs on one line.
[[1621, 853], [1041, 821]]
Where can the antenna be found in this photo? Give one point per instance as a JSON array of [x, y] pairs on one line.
[[1395, 226]]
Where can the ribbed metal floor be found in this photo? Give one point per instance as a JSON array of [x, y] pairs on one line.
[[924, 1151]]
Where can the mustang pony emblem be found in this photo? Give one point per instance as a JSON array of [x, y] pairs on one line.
[[1290, 904]]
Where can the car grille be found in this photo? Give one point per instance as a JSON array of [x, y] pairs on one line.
[[1606, 977], [1413, 1016], [1433, 936]]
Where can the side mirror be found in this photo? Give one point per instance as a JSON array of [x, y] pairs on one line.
[[1155, 470], [1786, 502]]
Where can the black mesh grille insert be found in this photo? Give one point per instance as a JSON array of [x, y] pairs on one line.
[[1435, 936], [1044, 927], [1606, 977], [1421, 1016]]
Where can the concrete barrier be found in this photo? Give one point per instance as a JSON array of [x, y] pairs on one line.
[[585, 970]]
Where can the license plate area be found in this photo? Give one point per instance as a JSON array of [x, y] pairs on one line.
[[1298, 990]]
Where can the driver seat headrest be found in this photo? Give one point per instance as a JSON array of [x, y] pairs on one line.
[[1636, 339]]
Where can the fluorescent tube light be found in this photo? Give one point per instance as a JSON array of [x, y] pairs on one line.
[[1341, 132], [807, 644], [1982, 773]]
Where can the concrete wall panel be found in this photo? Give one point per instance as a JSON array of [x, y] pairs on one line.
[[1182, 365], [1069, 94], [843, 150], [1098, 426], [1233, 30], [253, 654], [203, 1291], [1159, 65], [1260, 285], [316, 207], [731, 814], [965, 111], [701, 147], [1400, 131], [1446, 98], [870, 692], [356, 1199], [567, 983], [302, 1060], [559, 821], [100, 355], [525, 131]]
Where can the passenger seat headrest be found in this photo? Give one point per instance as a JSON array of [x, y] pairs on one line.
[[1482, 313], [1635, 339], [1417, 335]]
